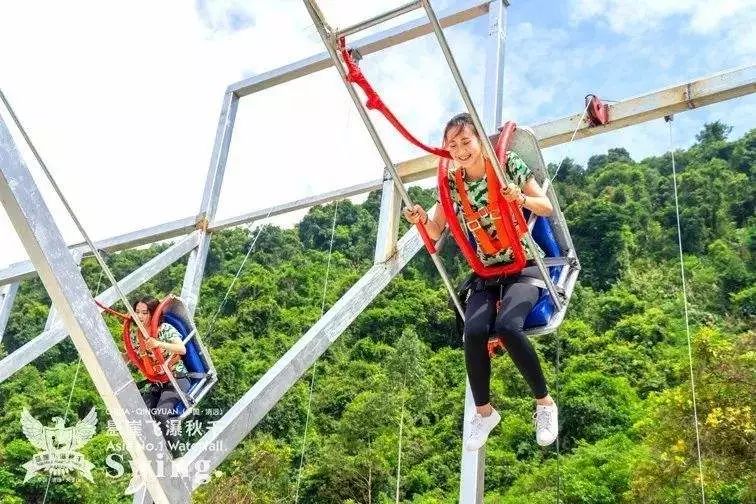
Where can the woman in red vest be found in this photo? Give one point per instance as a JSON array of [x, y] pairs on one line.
[[495, 307], [161, 398]]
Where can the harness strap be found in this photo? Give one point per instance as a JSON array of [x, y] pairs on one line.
[[532, 281], [374, 101], [488, 244], [472, 218]]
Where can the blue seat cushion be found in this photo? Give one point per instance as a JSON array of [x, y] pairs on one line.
[[544, 308], [192, 359]]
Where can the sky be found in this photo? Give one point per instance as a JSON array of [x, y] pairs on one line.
[[122, 99]]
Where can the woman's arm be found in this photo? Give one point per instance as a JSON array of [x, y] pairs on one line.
[[175, 345], [168, 338], [532, 196], [435, 226], [535, 199]]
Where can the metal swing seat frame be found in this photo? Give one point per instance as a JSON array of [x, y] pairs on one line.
[[201, 371], [204, 375], [567, 265]]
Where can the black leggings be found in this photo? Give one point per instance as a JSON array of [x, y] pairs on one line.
[[482, 322], [161, 399]]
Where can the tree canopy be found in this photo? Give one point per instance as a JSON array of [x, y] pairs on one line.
[[623, 383]]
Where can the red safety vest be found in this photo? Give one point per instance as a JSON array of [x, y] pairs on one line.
[[507, 216]]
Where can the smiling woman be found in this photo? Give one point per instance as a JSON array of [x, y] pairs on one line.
[[500, 305]]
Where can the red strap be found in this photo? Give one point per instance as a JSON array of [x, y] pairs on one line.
[[489, 245], [374, 102], [107, 309], [496, 200], [496, 346]]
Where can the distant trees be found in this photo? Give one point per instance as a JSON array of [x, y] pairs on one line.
[[623, 382]]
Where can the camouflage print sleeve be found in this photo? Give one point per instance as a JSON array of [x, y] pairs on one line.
[[168, 333], [517, 169]]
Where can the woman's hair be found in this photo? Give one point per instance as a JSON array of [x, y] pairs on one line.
[[458, 122], [150, 301]]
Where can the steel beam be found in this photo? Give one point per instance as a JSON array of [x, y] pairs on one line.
[[388, 221], [493, 97], [472, 464], [7, 297], [655, 105], [234, 426], [59, 273], [52, 315], [195, 267], [697, 93], [57, 333], [473, 470], [368, 45], [299, 204], [168, 230], [376, 20]]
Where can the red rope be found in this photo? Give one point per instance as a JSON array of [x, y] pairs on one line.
[[374, 102], [122, 316]]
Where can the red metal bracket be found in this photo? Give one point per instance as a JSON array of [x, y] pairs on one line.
[[598, 111]]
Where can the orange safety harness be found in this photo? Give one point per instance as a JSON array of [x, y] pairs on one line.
[[150, 361], [488, 243], [506, 216]]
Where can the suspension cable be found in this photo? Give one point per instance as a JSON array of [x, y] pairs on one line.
[[238, 273], [574, 133], [314, 366], [558, 438], [669, 119], [401, 432], [556, 332]]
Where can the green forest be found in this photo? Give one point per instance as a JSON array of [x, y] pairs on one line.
[[622, 381]]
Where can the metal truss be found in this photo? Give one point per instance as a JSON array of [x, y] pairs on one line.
[[171, 481], [696, 93]]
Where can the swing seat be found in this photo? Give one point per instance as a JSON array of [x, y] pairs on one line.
[[553, 236], [544, 308], [550, 233], [199, 366]]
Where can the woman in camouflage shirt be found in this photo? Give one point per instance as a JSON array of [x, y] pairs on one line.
[[161, 398], [494, 310]]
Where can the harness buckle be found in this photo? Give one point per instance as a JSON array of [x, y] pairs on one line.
[[471, 225]]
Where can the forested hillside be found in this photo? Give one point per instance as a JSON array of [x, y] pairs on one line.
[[623, 384]]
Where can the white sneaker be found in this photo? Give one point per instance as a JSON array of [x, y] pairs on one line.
[[546, 420], [478, 429]]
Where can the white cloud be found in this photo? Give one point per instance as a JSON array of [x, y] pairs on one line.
[[123, 100], [638, 16]]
